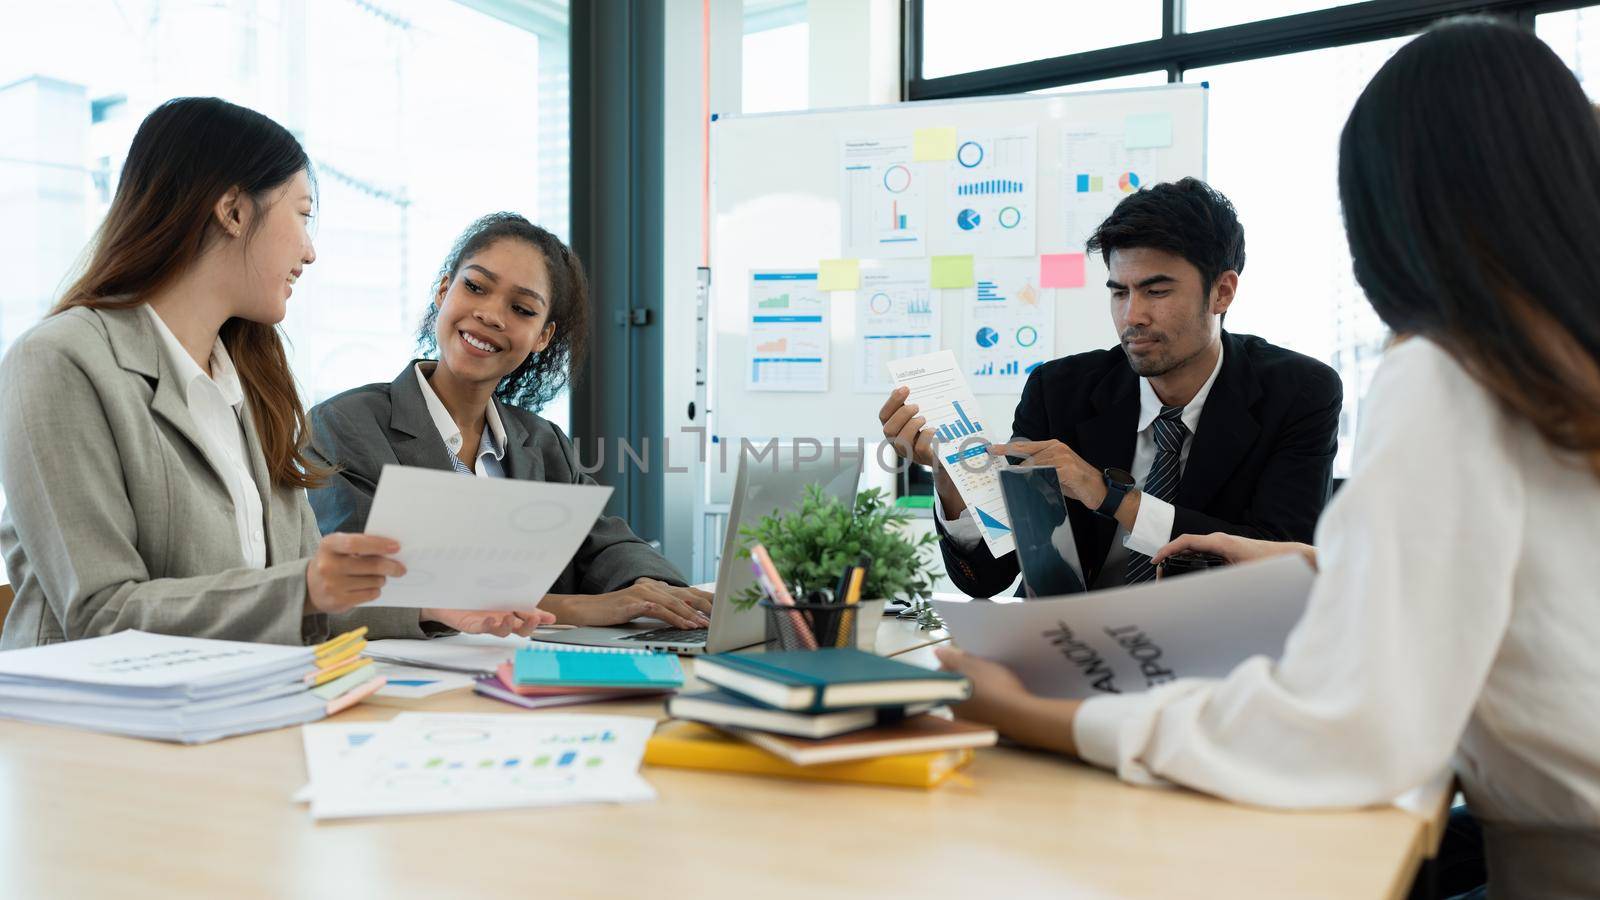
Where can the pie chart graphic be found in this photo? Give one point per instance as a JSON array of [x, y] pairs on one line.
[[1027, 336], [988, 337], [1129, 182], [1010, 217], [896, 179], [970, 154], [968, 219], [880, 303]]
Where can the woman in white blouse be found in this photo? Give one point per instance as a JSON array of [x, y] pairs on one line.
[[1456, 619]]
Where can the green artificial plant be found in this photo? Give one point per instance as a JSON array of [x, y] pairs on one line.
[[812, 545]]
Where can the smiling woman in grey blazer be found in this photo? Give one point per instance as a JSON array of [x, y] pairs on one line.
[[151, 440], [509, 314]]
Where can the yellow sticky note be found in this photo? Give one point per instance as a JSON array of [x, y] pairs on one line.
[[838, 274], [951, 272], [933, 144]]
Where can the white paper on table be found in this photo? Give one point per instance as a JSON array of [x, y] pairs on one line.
[[141, 661], [472, 654], [1130, 639], [479, 543], [945, 400], [326, 745], [414, 682], [440, 762]]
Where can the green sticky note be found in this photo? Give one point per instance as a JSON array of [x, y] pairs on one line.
[[1148, 130], [838, 274], [929, 144], [951, 272]]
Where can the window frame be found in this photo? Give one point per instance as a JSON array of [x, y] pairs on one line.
[[1176, 50]]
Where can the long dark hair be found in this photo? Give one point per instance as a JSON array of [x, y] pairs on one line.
[[1470, 176], [542, 375], [185, 155]]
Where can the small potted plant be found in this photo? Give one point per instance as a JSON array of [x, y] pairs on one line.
[[811, 545]]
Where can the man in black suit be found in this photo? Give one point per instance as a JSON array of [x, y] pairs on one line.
[[1183, 429]]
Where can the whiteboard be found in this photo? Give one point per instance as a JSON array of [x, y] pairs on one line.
[[776, 183]]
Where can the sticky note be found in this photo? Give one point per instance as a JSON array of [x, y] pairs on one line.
[[1147, 130], [1061, 270], [838, 274], [951, 272], [933, 144]]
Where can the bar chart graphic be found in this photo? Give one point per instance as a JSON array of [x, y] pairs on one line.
[[779, 302], [962, 427], [1090, 184], [989, 186]]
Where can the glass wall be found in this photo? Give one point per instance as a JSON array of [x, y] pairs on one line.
[[420, 115]]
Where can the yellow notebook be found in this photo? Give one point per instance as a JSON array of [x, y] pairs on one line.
[[690, 745]]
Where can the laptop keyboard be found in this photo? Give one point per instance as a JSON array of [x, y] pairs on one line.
[[671, 635]]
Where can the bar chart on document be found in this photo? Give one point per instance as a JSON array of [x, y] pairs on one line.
[[883, 202], [788, 335], [897, 315], [945, 400]]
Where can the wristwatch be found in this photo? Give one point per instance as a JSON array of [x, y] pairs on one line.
[[1118, 483]]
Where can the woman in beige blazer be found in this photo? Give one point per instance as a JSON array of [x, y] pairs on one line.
[[152, 444]]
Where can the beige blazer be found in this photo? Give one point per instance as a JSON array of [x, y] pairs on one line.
[[116, 519]]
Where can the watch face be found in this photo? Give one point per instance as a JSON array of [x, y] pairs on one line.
[[1120, 476]]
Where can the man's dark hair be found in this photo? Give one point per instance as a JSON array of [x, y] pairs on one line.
[[1187, 218]]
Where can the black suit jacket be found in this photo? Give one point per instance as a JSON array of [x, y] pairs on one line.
[[1260, 461], [362, 429]]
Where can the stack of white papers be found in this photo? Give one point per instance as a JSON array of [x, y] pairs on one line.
[[469, 654], [190, 690], [447, 762]]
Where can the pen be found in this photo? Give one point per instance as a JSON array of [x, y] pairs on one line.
[[780, 595]]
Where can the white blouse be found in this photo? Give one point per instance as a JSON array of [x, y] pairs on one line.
[[1456, 620]]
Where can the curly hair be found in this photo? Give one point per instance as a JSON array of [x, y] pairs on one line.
[[544, 374]]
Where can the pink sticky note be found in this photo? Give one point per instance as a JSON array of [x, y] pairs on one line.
[[1061, 270]]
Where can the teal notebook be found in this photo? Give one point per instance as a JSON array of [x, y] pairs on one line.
[[828, 679], [592, 667]]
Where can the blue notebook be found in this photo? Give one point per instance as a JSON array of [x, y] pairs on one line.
[[829, 679], [597, 667]]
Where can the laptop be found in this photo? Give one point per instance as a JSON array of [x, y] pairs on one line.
[[763, 486], [1045, 549]]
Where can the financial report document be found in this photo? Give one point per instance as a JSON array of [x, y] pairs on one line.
[[479, 543], [945, 400]]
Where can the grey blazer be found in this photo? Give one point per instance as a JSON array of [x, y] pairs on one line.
[[116, 519], [362, 429]]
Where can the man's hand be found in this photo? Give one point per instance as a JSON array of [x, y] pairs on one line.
[[1079, 480]]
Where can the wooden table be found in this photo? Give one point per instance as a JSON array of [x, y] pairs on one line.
[[86, 815]]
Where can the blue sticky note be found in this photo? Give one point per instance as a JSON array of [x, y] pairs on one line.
[[1147, 130]]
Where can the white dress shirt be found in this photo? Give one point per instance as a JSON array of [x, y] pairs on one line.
[[1152, 527], [1456, 619], [491, 449], [215, 402]]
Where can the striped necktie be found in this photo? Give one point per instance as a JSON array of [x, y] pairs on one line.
[[1162, 482]]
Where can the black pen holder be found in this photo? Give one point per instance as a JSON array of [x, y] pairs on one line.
[[810, 626]]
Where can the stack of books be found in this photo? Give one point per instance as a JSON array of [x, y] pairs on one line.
[[182, 689], [832, 714], [543, 675]]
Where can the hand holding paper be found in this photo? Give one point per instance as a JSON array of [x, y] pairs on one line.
[[478, 543]]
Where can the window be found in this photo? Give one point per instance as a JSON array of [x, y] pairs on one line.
[[1142, 79], [419, 116], [775, 58], [1575, 36], [1199, 15], [1297, 289], [961, 36], [1283, 78]]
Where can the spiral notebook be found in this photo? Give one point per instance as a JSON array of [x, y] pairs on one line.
[[604, 667]]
